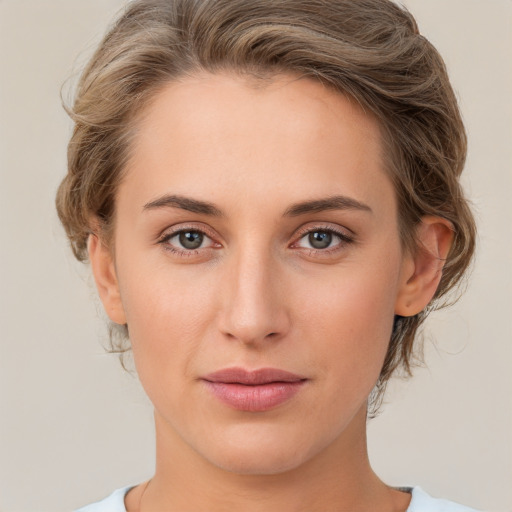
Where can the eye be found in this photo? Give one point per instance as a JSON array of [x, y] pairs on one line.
[[186, 241], [324, 240], [190, 239], [319, 239]]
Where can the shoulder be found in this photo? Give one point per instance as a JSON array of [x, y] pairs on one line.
[[422, 502], [112, 503]]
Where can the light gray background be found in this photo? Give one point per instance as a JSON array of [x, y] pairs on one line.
[[74, 426]]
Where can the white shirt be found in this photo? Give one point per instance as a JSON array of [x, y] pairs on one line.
[[420, 502]]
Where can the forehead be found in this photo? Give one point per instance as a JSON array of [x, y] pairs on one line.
[[292, 134]]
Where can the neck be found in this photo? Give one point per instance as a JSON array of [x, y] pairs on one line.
[[337, 478]]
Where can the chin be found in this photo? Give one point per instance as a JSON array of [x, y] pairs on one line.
[[258, 464], [260, 453]]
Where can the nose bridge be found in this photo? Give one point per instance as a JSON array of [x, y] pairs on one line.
[[253, 309]]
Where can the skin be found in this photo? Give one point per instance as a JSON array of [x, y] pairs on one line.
[[257, 294]]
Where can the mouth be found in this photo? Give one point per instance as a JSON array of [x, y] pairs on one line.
[[254, 391]]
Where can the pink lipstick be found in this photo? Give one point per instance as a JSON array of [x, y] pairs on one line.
[[253, 391]]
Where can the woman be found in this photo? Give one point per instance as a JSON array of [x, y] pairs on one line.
[[268, 196]]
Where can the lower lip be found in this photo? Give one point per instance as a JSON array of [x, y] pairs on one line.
[[255, 398]]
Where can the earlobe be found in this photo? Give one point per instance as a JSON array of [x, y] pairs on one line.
[[422, 271], [105, 277]]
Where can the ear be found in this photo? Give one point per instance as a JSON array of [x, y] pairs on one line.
[[104, 272], [422, 271]]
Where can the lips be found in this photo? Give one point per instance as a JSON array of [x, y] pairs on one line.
[[254, 391]]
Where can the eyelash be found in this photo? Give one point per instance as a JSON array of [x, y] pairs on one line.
[[183, 253], [344, 240]]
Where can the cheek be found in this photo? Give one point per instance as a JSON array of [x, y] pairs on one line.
[[349, 321], [167, 313]]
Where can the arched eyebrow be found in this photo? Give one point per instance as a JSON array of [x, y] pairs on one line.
[[302, 208]]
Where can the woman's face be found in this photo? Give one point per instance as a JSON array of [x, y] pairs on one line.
[[257, 230]]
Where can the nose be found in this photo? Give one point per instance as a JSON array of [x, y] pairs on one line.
[[253, 299]]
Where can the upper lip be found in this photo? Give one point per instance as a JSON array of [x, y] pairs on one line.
[[252, 377]]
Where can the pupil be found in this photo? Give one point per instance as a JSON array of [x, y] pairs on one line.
[[320, 239], [191, 239]]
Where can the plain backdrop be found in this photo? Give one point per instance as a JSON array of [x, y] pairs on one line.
[[74, 426]]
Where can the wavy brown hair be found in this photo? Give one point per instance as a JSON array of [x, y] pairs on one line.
[[370, 50]]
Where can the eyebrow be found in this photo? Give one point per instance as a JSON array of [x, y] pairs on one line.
[[184, 203], [205, 208], [328, 203]]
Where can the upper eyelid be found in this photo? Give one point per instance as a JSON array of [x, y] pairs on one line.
[[173, 231], [337, 230]]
